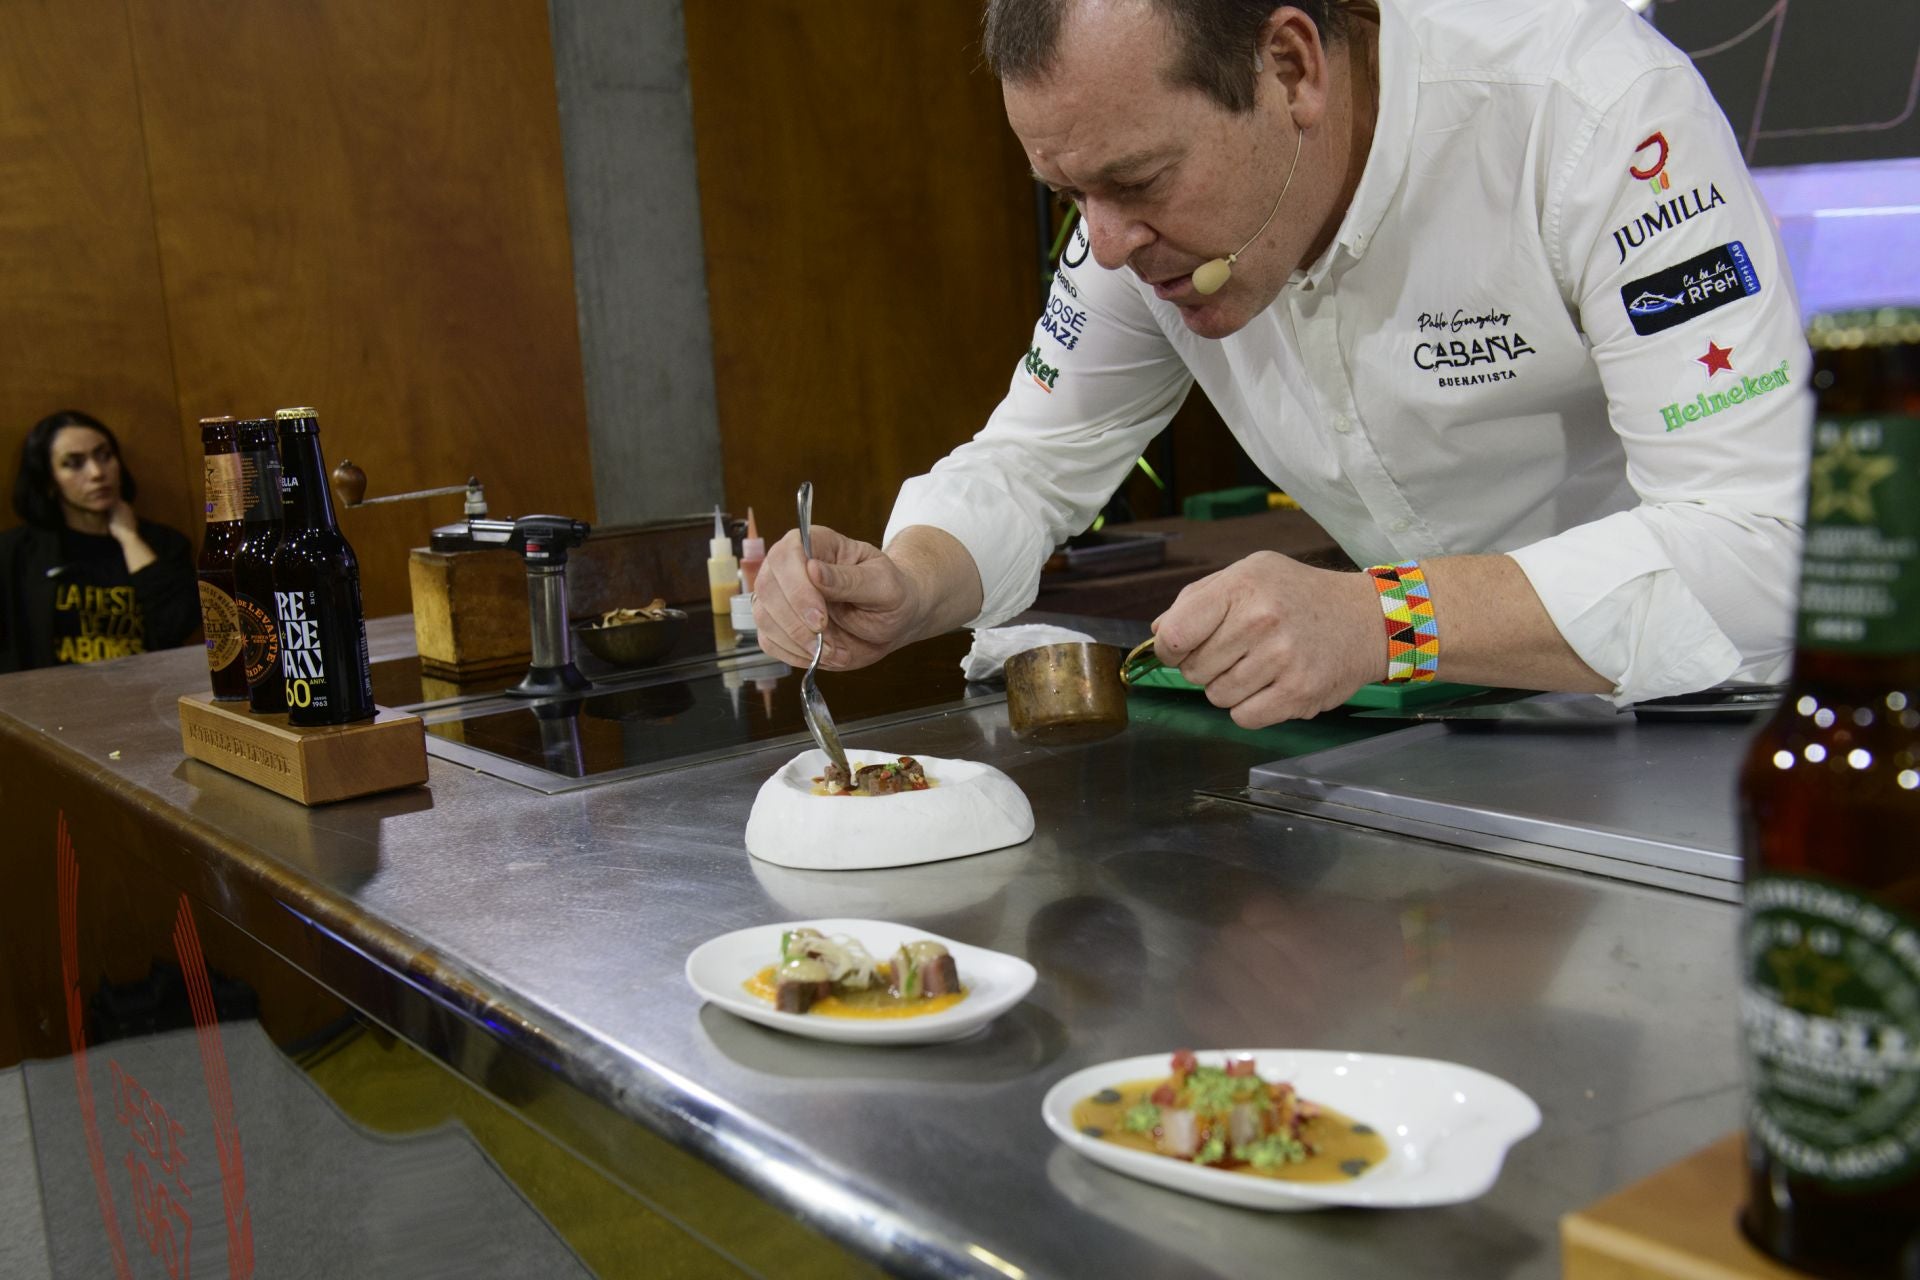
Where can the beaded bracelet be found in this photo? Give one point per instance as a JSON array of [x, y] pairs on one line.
[[1413, 641]]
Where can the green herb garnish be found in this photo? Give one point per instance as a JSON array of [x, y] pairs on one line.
[[1213, 1153], [1272, 1151], [1141, 1117]]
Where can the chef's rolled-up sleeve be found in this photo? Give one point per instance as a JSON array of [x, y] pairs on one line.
[[1681, 287], [1097, 383]]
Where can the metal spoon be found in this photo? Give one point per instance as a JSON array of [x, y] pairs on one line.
[[812, 705]]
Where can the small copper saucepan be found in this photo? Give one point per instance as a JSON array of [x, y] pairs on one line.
[[1074, 691]]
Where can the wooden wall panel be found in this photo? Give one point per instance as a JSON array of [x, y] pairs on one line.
[[360, 206], [870, 245], [82, 322]]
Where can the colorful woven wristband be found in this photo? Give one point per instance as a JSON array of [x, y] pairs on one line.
[[1413, 641]]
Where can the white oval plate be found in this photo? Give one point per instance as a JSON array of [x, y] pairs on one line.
[[1447, 1128], [995, 982]]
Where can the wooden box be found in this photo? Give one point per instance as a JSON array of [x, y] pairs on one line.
[[313, 766], [1679, 1224], [470, 607]]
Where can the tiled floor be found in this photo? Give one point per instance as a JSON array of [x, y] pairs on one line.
[[23, 1241]]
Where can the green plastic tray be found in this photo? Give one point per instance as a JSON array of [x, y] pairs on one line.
[[1392, 697]]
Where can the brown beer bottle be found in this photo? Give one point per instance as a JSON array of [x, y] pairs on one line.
[[253, 564], [219, 616], [1830, 830], [316, 589]]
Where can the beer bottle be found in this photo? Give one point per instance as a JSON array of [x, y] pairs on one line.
[[316, 589], [219, 617], [1829, 811], [253, 564]]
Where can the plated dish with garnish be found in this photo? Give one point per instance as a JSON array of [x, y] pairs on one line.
[[1292, 1129], [858, 981], [889, 810]]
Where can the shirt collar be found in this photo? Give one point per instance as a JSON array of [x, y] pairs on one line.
[[1392, 144]]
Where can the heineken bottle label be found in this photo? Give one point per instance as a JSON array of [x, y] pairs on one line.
[[1860, 573], [1830, 1013]]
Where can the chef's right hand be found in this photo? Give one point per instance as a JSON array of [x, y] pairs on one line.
[[852, 590]]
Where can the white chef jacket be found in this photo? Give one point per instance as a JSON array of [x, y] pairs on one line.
[[1556, 322]]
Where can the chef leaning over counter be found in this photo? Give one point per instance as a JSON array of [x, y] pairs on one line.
[[1502, 309]]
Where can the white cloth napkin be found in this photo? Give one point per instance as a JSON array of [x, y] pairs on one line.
[[992, 647]]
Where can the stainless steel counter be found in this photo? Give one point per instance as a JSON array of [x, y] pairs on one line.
[[481, 916]]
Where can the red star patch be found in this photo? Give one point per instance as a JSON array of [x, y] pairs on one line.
[[1716, 358]]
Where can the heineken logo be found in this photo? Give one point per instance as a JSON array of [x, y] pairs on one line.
[[1666, 215], [1043, 374], [1706, 404]]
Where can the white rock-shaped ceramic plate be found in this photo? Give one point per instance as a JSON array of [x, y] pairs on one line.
[[1447, 1126], [994, 982], [971, 808]]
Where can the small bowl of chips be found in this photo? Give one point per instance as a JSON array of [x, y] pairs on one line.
[[633, 637]]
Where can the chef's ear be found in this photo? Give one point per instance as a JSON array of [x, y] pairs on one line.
[[1290, 58]]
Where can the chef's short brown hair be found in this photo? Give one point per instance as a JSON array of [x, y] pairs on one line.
[[1218, 40]]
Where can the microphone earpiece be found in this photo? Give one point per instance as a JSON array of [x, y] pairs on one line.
[[1211, 276]]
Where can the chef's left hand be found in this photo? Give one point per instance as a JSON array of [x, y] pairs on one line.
[[1272, 639]]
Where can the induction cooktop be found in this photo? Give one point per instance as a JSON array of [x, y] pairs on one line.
[[699, 708]]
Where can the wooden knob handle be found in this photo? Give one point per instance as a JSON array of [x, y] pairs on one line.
[[349, 482]]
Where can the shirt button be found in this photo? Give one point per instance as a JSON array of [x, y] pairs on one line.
[[1400, 526], [1342, 423]]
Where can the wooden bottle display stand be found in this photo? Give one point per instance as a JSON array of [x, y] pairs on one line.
[[1678, 1224], [313, 766]]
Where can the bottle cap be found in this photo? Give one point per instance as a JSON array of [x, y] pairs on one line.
[[753, 546], [720, 545]]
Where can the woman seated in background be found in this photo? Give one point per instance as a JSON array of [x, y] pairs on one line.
[[85, 579]]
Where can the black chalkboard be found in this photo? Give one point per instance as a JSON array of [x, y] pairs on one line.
[[1807, 81]]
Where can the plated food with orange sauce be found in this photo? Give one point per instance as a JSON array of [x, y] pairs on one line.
[[839, 978], [928, 988], [1295, 1129]]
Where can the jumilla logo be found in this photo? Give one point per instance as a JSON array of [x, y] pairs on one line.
[[1669, 213], [1043, 374], [1655, 175], [1706, 405]]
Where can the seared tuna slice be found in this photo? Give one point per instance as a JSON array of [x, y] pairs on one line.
[[801, 982], [922, 970]]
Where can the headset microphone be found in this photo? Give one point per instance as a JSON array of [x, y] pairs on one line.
[[1210, 277]]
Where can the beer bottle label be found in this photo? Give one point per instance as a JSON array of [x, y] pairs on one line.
[[260, 480], [1830, 1015], [220, 619], [261, 635], [1860, 573], [226, 490], [303, 656]]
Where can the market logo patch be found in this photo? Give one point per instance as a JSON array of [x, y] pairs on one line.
[[1654, 171], [1043, 374], [1064, 322], [1706, 404], [1694, 287], [1476, 357], [1666, 215]]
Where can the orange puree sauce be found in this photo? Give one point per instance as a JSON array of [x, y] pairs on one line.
[[875, 1002]]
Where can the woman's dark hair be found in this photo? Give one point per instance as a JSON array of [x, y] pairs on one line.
[[1218, 40], [35, 492]]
